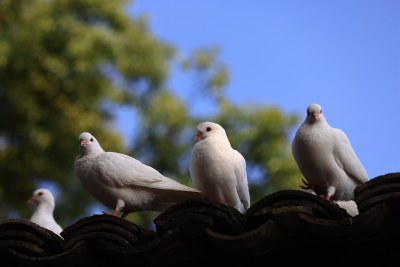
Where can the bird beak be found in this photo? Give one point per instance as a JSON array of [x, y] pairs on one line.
[[315, 116], [83, 143], [30, 201], [198, 136]]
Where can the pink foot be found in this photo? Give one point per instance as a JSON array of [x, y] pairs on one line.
[[307, 185], [124, 214], [115, 212]]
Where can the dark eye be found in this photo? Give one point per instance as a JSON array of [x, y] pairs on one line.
[[91, 139], [40, 193], [321, 111], [208, 129]]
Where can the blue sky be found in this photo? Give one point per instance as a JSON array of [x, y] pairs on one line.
[[344, 55]]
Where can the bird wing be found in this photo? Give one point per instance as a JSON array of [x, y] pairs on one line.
[[347, 159], [119, 170], [242, 186], [46, 221]]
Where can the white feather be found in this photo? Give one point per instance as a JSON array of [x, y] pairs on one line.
[[326, 158], [43, 213], [123, 183], [217, 169]]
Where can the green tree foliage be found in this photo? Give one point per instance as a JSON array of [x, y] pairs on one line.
[[163, 138], [65, 65], [211, 74]]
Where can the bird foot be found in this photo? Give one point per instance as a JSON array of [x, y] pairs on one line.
[[312, 187], [307, 185], [327, 197], [115, 213]]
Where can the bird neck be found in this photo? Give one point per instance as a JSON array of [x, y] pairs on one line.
[[95, 153], [320, 123], [92, 153], [223, 139], [219, 142], [45, 208]]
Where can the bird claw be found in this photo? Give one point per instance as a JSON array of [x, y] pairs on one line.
[[307, 185], [310, 186], [115, 213], [327, 197], [106, 213]]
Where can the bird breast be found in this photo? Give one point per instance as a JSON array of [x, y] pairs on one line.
[[210, 164]]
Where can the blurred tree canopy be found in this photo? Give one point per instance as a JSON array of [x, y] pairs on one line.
[[65, 65]]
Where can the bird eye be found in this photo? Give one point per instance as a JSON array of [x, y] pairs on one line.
[[91, 139], [40, 193], [321, 111], [208, 129]]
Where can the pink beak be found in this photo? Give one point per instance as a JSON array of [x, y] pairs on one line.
[[198, 136], [83, 143], [315, 116], [30, 201]]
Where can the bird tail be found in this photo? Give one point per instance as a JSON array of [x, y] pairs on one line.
[[180, 196]]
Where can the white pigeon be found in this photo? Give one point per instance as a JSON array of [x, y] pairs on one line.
[[326, 158], [43, 213], [123, 183], [217, 169]]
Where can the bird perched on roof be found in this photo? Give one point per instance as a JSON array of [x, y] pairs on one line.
[[123, 183], [326, 158], [43, 213], [217, 169]]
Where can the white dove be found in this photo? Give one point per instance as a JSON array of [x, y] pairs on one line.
[[43, 213], [326, 158], [123, 183], [217, 169]]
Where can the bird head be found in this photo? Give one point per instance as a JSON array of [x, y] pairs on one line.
[[88, 144], [207, 129], [41, 196], [314, 113]]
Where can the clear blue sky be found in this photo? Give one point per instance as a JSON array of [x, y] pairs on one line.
[[344, 55]]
